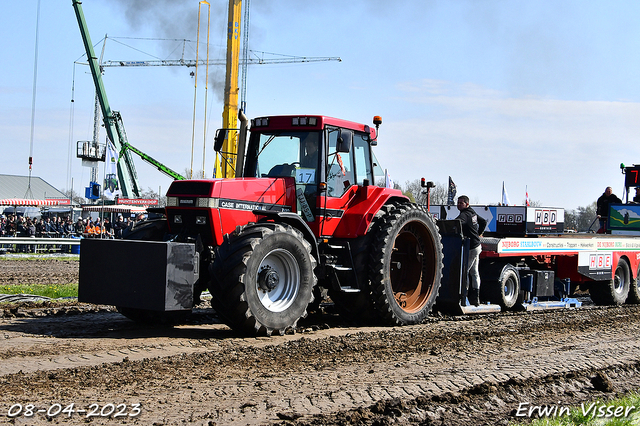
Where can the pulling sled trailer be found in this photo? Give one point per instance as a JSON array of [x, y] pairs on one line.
[[528, 262]]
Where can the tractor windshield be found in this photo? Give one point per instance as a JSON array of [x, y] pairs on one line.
[[284, 154]]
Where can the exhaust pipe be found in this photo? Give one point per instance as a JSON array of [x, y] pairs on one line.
[[242, 142]]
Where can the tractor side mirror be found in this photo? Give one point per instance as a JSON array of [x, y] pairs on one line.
[[345, 140], [218, 141]]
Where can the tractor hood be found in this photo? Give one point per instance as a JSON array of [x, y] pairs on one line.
[[216, 207]]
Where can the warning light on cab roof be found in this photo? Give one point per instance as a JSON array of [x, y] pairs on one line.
[[304, 121]]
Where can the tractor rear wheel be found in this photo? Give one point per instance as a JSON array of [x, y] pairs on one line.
[[264, 279], [615, 291], [405, 264]]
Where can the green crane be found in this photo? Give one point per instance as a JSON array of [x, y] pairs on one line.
[[127, 175]]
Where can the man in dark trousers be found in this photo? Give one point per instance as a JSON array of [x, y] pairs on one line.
[[602, 207], [472, 227]]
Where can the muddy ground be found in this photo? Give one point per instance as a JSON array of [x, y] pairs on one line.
[[101, 368], [42, 270]]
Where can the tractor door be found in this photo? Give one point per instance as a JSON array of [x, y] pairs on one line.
[[346, 167]]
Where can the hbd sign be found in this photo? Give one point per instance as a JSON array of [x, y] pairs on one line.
[[510, 218], [546, 217]]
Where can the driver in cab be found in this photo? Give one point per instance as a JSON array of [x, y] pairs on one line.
[[309, 152]]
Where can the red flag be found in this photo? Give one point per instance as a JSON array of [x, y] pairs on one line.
[[342, 169], [527, 195]]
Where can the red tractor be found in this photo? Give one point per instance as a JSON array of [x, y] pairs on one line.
[[302, 216]]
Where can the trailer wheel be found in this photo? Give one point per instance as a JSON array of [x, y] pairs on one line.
[[615, 291], [406, 264], [506, 290], [264, 279], [634, 290]]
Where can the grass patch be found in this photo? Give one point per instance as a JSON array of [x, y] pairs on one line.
[[602, 413], [53, 291], [12, 258]]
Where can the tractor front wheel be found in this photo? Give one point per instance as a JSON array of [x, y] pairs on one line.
[[264, 279]]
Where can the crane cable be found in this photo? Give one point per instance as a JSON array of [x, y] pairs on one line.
[[69, 148], [195, 91], [245, 56], [206, 88], [29, 194]]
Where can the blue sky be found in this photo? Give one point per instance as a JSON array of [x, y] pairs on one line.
[[541, 94]]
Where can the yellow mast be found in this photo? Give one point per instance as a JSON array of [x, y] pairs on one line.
[[224, 166]]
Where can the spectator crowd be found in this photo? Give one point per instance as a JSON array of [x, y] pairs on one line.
[[63, 227]]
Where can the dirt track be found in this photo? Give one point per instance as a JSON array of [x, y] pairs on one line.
[[44, 270], [453, 371]]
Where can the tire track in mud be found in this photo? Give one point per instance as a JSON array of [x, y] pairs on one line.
[[419, 376], [203, 373]]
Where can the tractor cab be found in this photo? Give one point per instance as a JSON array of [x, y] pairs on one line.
[[324, 157]]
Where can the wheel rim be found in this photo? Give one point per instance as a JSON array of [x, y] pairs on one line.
[[411, 273], [509, 289], [619, 281], [278, 280]]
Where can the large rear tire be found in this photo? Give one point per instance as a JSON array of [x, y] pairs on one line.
[[264, 279], [615, 291], [406, 264]]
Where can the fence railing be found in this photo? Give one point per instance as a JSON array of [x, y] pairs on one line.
[[34, 245]]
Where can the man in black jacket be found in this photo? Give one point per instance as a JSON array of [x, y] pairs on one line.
[[602, 207], [472, 227]]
